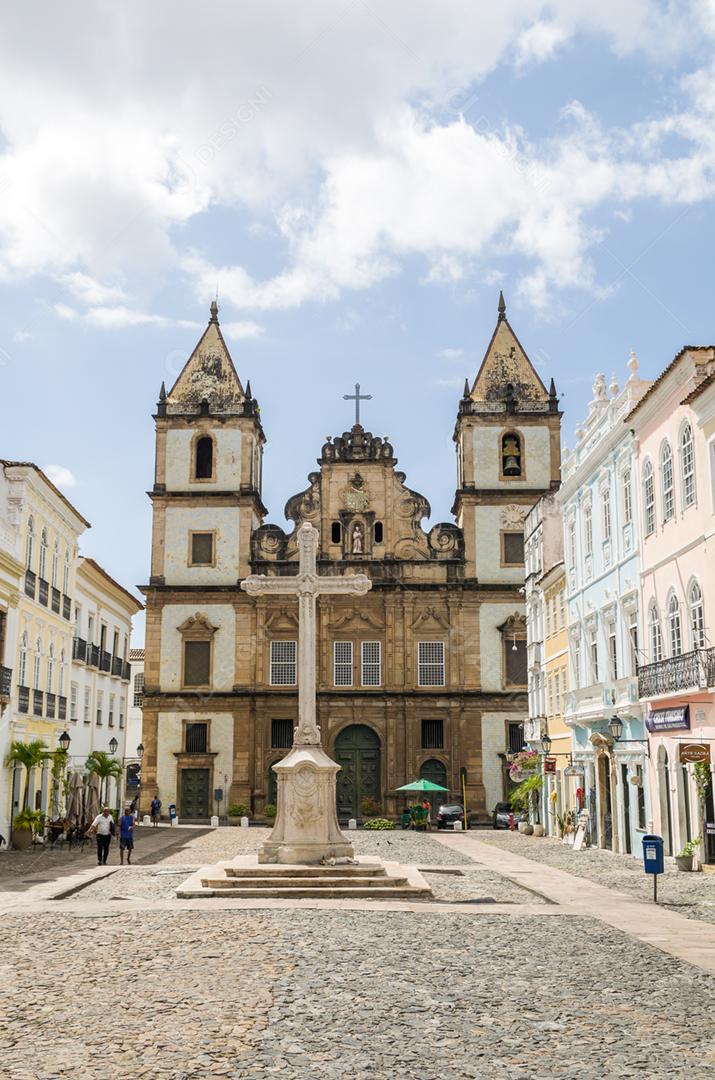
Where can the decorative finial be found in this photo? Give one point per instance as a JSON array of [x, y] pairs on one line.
[[614, 387], [162, 392], [502, 306], [599, 388], [552, 389], [633, 364], [214, 312], [466, 393]]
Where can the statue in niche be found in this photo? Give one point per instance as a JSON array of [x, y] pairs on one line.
[[357, 539]]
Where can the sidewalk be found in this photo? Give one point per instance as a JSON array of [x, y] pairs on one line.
[[686, 939]]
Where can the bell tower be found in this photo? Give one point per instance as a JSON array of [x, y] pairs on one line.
[[508, 454]]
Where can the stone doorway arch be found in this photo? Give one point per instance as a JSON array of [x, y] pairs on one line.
[[358, 753], [436, 771]]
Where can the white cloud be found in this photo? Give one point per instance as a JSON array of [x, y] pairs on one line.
[[454, 383], [60, 476], [88, 291], [117, 318], [539, 42], [240, 331], [450, 354], [22, 335]]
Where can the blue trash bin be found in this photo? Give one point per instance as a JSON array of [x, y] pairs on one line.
[[653, 860]]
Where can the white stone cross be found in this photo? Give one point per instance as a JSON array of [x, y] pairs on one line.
[[307, 586]]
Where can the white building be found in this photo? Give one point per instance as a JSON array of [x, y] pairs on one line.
[[134, 737], [99, 692]]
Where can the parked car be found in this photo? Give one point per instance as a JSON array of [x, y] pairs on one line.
[[502, 813], [447, 815]]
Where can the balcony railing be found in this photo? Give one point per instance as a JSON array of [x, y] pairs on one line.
[[50, 706], [66, 607], [37, 702], [516, 739], [61, 708], [43, 593], [708, 659], [79, 649], [669, 676], [5, 680], [117, 665], [23, 699], [105, 661], [92, 655], [30, 580], [56, 600]]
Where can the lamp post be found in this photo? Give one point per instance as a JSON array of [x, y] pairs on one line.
[[546, 750], [64, 744], [113, 744]]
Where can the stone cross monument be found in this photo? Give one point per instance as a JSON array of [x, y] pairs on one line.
[[306, 828]]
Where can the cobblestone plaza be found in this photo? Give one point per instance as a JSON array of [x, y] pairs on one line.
[[496, 976]]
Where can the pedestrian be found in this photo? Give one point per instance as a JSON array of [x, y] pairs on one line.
[[126, 835], [103, 828], [155, 810]]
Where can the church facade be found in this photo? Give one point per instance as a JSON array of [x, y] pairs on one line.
[[424, 677]]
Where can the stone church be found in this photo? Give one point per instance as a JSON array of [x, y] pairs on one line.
[[423, 677]]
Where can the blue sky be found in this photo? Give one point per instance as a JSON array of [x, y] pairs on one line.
[[359, 181]]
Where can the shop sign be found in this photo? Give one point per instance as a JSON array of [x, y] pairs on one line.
[[575, 770], [668, 719], [550, 765], [710, 828], [693, 752]]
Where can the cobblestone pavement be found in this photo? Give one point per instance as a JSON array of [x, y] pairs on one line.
[[327, 994], [691, 895]]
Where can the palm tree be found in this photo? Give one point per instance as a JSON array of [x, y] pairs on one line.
[[29, 755], [104, 766]]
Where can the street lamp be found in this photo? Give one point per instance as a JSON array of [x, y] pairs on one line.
[[546, 743], [615, 726], [64, 741], [113, 744], [140, 751]]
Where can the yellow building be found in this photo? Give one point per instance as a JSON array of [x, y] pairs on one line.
[[556, 683], [44, 527]]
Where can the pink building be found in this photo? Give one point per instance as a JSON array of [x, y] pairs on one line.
[[677, 670]]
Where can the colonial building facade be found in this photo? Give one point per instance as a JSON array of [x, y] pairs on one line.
[[422, 677]]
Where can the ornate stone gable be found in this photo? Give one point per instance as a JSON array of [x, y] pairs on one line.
[[506, 371], [208, 376]]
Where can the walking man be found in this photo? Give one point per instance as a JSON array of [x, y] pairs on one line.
[[126, 835], [104, 829], [155, 810]]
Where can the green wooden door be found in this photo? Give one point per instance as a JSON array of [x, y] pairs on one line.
[[357, 752], [194, 794], [436, 772]]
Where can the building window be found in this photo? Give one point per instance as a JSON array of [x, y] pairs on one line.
[[202, 549], [547, 608], [371, 663], [627, 497], [87, 704], [697, 618], [655, 634], [378, 532], [50, 669], [572, 544], [61, 675], [641, 798], [613, 651], [648, 499], [515, 663], [687, 465], [204, 458], [283, 663], [138, 689], [196, 738], [512, 549], [563, 688], [674, 632], [511, 455], [74, 702], [36, 665], [121, 716], [432, 734], [281, 734], [336, 533], [197, 663], [515, 738], [666, 481], [55, 564], [100, 706], [342, 663], [66, 574], [576, 659], [110, 714], [593, 652], [588, 529], [633, 637], [29, 542], [562, 608], [43, 554], [606, 513], [430, 662], [22, 670]]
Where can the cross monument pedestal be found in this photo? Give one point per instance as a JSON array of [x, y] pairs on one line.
[[306, 828]]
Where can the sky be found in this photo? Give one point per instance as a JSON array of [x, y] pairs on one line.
[[358, 181]]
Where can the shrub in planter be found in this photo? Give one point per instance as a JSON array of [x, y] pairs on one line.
[[370, 807], [538, 830], [269, 810], [684, 859], [24, 827], [379, 823]]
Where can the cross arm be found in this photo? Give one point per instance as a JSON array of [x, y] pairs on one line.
[[356, 583], [256, 584]]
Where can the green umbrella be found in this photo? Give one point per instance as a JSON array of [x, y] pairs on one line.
[[422, 785]]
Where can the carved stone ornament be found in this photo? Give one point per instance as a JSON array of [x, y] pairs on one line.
[[197, 625]]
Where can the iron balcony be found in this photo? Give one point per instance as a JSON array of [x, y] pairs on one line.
[[669, 676]]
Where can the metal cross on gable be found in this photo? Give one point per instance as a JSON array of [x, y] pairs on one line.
[[357, 397]]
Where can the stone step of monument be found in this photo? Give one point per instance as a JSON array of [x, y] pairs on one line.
[[279, 870], [274, 881], [308, 892]]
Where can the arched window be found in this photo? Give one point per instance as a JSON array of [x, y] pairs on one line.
[[666, 481], [675, 636], [61, 682], [687, 465], [43, 554], [697, 617], [55, 564], [648, 499], [655, 634], [22, 673], [511, 454], [50, 668], [204, 463], [36, 665], [30, 542], [66, 574]]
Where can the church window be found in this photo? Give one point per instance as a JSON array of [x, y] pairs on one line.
[[336, 533], [282, 734], [138, 689], [430, 656], [515, 738], [666, 480], [371, 663], [283, 663], [378, 532], [196, 738], [432, 734], [202, 549], [648, 499], [343, 663], [511, 454], [687, 465], [197, 663], [204, 458], [515, 665], [512, 549]]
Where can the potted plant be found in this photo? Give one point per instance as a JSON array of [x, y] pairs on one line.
[[270, 811], [236, 812], [25, 826], [684, 860]]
